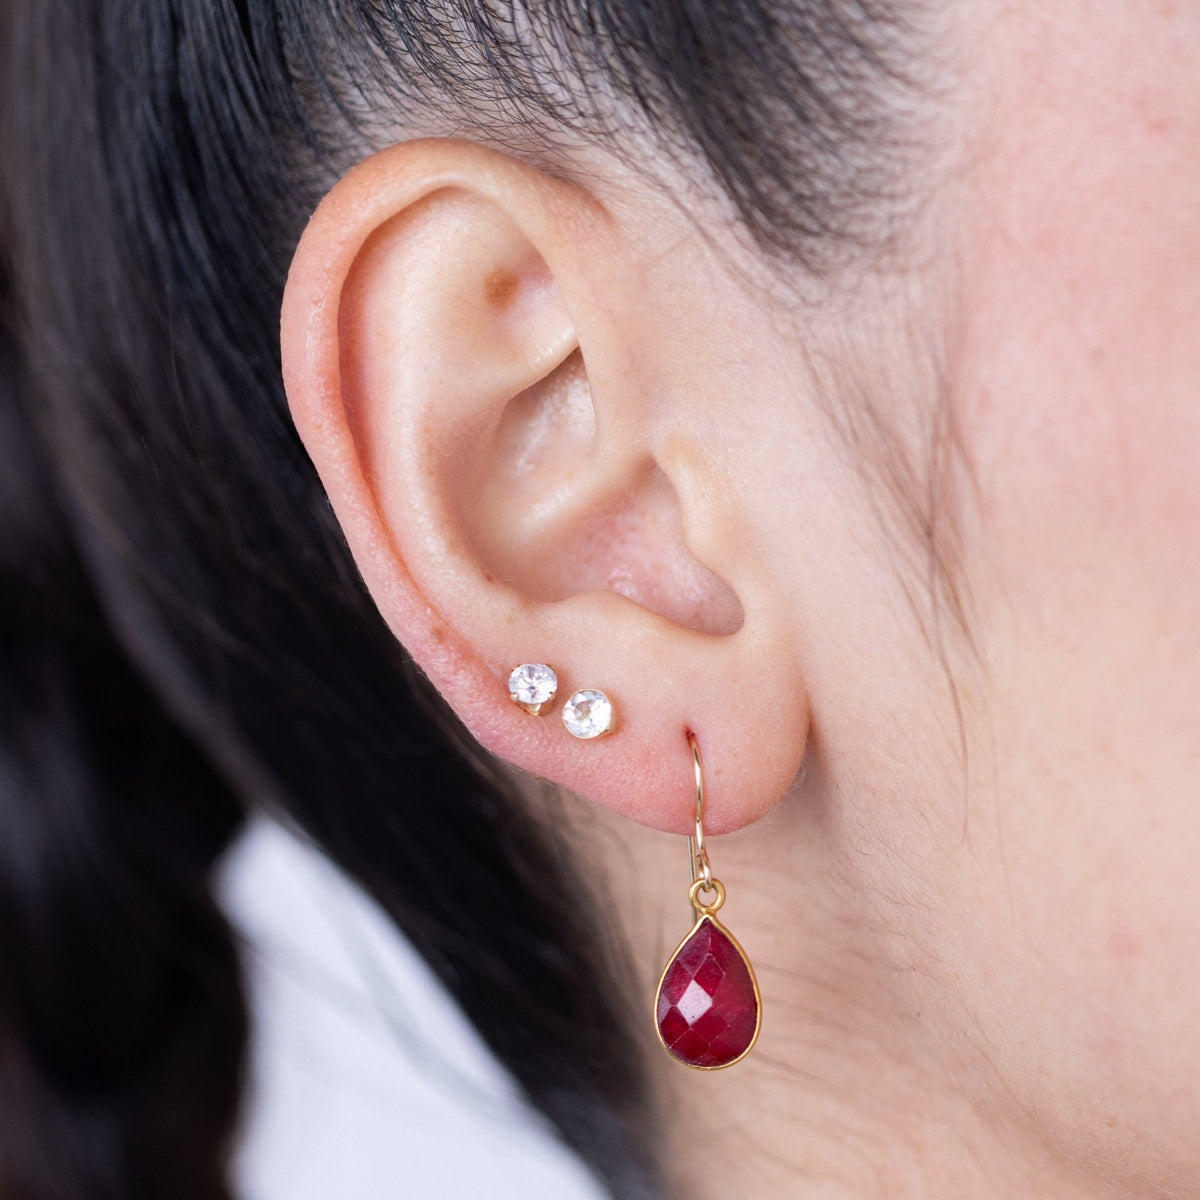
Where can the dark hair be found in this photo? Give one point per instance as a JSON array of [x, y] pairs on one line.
[[182, 632]]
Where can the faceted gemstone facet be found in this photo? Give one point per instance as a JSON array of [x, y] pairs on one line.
[[588, 714], [707, 1002], [532, 684]]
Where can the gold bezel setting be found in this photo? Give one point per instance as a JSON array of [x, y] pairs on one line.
[[703, 914]]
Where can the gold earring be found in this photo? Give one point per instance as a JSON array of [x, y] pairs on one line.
[[707, 1010]]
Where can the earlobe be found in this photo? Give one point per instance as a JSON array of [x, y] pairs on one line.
[[456, 354]]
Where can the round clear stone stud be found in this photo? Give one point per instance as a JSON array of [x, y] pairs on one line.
[[532, 685], [588, 714]]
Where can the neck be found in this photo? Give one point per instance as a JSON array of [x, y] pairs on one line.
[[852, 1090]]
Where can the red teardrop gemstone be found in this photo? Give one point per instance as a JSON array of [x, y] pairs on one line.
[[707, 1003]]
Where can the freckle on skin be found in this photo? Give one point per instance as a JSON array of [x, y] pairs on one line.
[[500, 288]]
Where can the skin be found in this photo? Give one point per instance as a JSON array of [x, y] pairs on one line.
[[961, 844]]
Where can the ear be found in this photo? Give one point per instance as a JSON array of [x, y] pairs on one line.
[[523, 475]]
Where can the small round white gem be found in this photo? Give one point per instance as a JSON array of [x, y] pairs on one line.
[[532, 684], [588, 714]]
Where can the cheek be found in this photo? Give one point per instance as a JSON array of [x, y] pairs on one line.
[[1081, 313], [1079, 384]]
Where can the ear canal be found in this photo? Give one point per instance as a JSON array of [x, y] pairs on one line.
[[542, 514]]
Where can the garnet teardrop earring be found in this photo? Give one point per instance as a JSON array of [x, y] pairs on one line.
[[708, 1010]]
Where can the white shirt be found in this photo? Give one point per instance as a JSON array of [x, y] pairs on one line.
[[366, 1082]]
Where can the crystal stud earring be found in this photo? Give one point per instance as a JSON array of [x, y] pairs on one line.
[[588, 714], [533, 686]]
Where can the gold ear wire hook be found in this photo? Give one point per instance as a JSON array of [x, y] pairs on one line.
[[697, 852], [707, 1009]]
